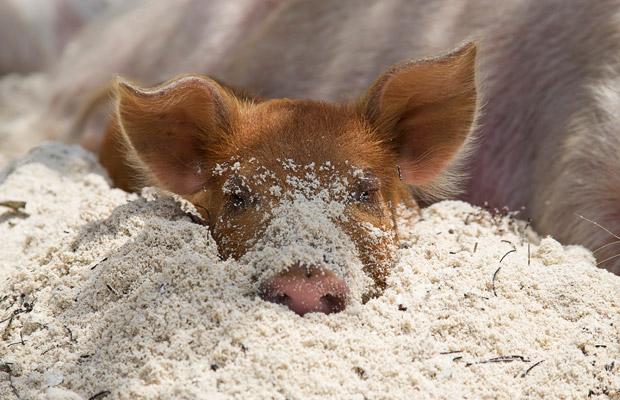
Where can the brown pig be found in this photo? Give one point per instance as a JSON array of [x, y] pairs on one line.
[[305, 190], [549, 72]]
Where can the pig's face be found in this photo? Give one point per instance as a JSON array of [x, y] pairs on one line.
[[305, 183], [305, 191]]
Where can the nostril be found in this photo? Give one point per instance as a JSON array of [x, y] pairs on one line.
[[334, 303], [281, 298]]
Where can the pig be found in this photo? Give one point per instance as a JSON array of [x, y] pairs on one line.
[[549, 73], [307, 191]]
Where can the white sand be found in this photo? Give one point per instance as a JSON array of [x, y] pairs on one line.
[[114, 292]]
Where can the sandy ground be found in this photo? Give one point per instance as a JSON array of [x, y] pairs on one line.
[[108, 295]]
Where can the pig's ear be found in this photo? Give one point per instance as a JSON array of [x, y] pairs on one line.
[[425, 111], [169, 129]]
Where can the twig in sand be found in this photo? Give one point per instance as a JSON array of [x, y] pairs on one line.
[[21, 341], [451, 352], [27, 307], [10, 317], [10, 305], [497, 271], [111, 289], [71, 339], [610, 366], [475, 247], [523, 230], [100, 395], [13, 388], [7, 328], [99, 262], [16, 206], [527, 371], [6, 367], [500, 359], [48, 350], [504, 256], [493, 281], [361, 373]]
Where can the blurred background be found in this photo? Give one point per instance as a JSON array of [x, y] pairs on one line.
[[34, 35]]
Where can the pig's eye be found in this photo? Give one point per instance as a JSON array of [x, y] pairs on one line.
[[238, 195], [367, 190], [366, 196], [240, 200]]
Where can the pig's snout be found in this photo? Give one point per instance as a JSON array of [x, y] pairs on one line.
[[306, 289]]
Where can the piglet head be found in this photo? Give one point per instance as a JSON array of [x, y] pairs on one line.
[[306, 191]]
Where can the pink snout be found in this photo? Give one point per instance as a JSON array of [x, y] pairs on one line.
[[306, 289]]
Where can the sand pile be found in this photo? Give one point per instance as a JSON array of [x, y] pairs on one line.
[[117, 296]]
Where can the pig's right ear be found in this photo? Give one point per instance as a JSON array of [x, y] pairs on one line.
[[169, 129], [424, 111]]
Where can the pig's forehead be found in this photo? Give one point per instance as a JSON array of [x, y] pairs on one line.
[[304, 131], [290, 173], [292, 140]]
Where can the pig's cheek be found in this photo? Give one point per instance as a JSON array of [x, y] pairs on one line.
[[378, 254], [236, 234], [375, 246], [228, 239]]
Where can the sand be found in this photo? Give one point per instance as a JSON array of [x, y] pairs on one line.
[[109, 295]]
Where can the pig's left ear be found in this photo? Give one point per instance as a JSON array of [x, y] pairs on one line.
[[425, 110], [170, 131]]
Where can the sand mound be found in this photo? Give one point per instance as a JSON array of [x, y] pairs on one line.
[[118, 296]]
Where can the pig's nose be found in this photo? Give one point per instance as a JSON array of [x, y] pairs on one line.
[[306, 289]]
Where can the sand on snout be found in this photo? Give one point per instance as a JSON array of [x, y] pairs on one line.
[[109, 295]]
